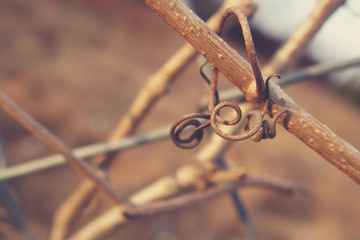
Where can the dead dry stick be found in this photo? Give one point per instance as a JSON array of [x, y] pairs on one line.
[[56, 160], [8, 201], [169, 186], [240, 207], [155, 87], [298, 122], [55, 144], [301, 36], [160, 207]]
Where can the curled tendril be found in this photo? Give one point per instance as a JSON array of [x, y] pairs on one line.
[[261, 130], [214, 120], [197, 134], [268, 127]]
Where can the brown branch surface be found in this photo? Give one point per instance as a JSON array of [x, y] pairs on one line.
[[300, 123]]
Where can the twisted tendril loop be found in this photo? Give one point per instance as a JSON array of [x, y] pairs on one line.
[[261, 130], [249, 133], [195, 137]]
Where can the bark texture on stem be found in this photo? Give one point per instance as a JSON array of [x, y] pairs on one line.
[[300, 123]]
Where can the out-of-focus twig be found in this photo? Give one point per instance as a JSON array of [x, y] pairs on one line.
[[307, 73], [9, 203], [57, 145], [240, 207], [186, 200], [301, 35], [47, 163], [4, 159], [185, 177], [7, 199]]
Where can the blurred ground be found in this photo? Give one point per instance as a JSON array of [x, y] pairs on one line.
[[76, 66]]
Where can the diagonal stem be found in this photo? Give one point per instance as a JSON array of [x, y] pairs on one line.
[[298, 122], [240, 207], [57, 145], [286, 55]]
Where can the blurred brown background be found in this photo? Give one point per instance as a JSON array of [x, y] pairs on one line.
[[77, 65]]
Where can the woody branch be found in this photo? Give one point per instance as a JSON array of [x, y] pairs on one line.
[[298, 122]]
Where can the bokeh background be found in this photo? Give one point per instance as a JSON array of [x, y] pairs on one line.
[[77, 65]]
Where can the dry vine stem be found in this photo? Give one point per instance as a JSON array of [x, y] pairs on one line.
[[155, 87], [185, 177], [160, 207], [55, 144], [263, 128], [300, 123], [301, 35]]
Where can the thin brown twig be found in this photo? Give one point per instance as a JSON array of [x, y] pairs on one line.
[[240, 207], [187, 176], [8, 200], [56, 160], [286, 55], [160, 207], [307, 73], [155, 87], [58, 146]]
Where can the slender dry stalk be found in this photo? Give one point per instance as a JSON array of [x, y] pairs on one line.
[[56, 160], [8, 201], [115, 217], [156, 86], [186, 200], [307, 73], [57, 145], [298, 122], [301, 36]]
